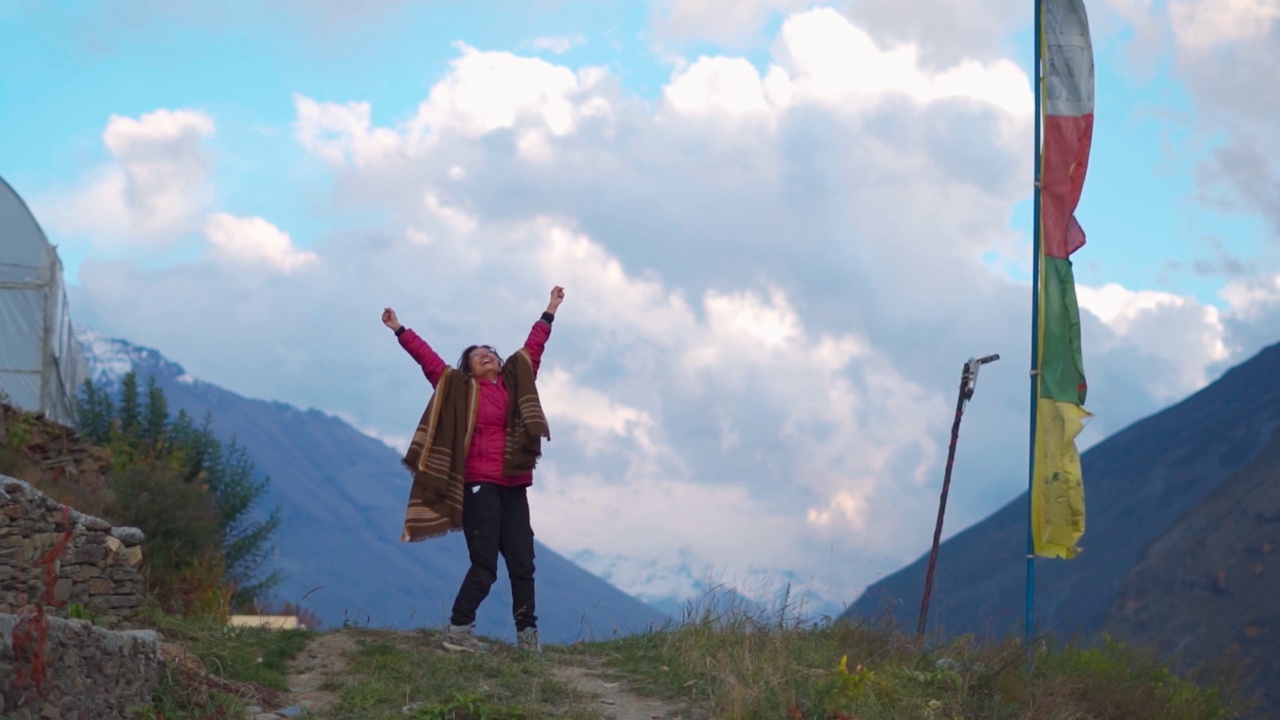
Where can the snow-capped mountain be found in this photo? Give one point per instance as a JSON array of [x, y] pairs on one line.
[[678, 587]]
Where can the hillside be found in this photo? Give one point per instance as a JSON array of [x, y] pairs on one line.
[[1147, 482], [342, 496], [1208, 586]]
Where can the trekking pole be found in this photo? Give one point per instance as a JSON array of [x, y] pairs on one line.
[[968, 381]]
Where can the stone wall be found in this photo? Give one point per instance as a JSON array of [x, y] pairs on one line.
[[98, 569], [90, 673]]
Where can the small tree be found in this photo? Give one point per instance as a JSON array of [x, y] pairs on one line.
[[193, 496]]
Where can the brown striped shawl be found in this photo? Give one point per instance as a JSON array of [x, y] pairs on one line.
[[438, 453]]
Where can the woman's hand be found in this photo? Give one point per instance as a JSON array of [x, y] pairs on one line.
[[557, 297], [389, 319]]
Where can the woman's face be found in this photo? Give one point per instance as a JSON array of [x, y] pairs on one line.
[[483, 361]]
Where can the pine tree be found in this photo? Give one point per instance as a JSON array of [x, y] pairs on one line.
[[97, 411], [190, 493], [155, 420], [129, 411]]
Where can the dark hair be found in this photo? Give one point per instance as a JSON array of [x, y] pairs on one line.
[[464, 363]]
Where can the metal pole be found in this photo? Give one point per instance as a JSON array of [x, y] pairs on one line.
[[968, 382], [1035, 327]]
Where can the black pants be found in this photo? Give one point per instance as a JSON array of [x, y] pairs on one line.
[[495, 520]]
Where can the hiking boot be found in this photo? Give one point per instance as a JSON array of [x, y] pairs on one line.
[[461, 638], [527, 640]]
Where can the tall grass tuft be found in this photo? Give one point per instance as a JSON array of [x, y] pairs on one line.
[[737, 661]]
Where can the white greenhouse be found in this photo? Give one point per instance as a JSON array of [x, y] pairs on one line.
[[41, 363]]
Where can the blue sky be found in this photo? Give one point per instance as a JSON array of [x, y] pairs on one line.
[[741, 206], [65, 77]]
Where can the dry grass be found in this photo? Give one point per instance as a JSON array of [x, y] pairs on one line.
[[738, 664], [725, 661]]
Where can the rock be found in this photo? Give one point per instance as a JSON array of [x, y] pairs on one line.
[[93, 523], [292, 711], [127, 535], [62, 590], [84, 573], [91, 672], [91, 554]]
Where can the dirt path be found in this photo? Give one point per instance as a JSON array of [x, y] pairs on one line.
[[611, 699], [323, 658]]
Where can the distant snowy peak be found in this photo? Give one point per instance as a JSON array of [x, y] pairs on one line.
[[110, 359], [678, 586]]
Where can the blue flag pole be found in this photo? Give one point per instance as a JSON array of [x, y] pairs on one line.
[[1036, 238]]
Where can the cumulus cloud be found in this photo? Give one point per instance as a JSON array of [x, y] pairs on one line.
[[773, 278], [154, 188], [1203, 24], [725, 21], [253, 242], [942, 32], [1226, 52]]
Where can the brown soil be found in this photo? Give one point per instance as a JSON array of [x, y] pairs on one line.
[[323, 658], [610, 698], [326, 657]]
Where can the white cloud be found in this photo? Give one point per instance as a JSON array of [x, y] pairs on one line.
[[488, 91], [832, 59], [152, 191], [1202, 24], [558, 44], [943, 32], [597, 417], [255, 243], [725, 21], [1252, 296], [338, 132], [1225, 54], [1118, 307], [1154, 327], [728, 85]]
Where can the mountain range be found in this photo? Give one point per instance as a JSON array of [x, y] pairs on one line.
[[1180, 545], [1181, 550], [342, 498]]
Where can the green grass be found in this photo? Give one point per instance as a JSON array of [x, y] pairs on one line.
[[249, 655], [389, 671], [741, 667], [238, 664], [731, 666]]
